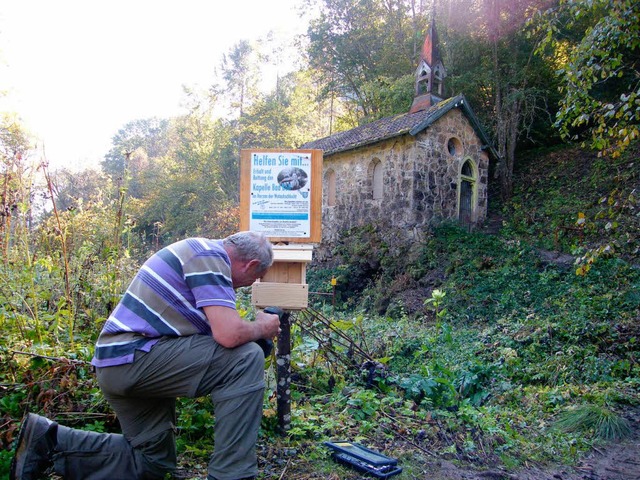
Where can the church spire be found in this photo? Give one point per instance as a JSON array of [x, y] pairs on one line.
[[430, 73]]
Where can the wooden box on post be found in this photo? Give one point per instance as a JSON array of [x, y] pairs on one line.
[[285, 284]]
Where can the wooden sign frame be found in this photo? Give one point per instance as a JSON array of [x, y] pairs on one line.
[[281, 194]]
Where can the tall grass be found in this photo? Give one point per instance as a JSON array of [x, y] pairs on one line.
[[600, 421]]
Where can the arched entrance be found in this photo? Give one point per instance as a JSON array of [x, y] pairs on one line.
[[466, 201]]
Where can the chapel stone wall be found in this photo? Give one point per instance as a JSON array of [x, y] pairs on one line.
[[421, 178], [438, 166]]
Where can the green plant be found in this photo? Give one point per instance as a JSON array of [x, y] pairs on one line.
[[6, 456], [474, 383], [363, 404], [437, 302], [431, 392]]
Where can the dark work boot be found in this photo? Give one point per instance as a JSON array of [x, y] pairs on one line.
[[36, 442]]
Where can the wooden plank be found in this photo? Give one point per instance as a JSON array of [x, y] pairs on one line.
[[245, 188], [288, 296], [295, 273], [292, 255], [285, 272], [316, 196]]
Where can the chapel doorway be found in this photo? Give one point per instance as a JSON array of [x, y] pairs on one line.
[[466, 210]]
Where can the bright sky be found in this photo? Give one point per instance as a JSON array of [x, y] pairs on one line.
[[76, 71]]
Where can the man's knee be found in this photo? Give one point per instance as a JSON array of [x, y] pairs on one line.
[[254, 363]]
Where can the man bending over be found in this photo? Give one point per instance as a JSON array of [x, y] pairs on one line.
[[175, 333]]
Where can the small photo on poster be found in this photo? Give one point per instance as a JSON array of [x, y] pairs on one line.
[[292, 178]]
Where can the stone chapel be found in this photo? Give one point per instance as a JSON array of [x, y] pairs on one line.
[[405, 171]]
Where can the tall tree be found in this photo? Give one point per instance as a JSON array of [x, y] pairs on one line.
[[72, 190], [240, 72], [361, 47], [287, 116], [490, 58], [16, 178], [149, 139], [191, 192]]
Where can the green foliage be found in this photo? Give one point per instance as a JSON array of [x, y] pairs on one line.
[[241, 76], [195, 426], [578, 204], [150, 136], [372, 264], [5, 460], [503, 347], [15, 142], [503, 356], [192, 189], [600, 78], [474, 382], [429, 392], [286, 117], [12, 404], [517, 338], [512, 90], [362, 250], [390, 95], [363, 404]]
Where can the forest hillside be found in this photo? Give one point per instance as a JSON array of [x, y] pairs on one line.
[[511, 350]]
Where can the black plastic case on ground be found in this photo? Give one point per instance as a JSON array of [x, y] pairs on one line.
[[364, 459]]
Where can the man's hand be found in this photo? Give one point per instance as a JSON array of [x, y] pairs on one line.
[[270, 323]]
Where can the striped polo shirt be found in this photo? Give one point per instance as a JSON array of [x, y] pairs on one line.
[[165, 298]]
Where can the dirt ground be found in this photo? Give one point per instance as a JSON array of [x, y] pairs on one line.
[[619, 461], [614, 461]]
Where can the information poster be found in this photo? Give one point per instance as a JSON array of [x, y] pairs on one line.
[[280, 200]]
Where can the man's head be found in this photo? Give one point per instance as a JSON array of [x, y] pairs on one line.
[[251, 256]]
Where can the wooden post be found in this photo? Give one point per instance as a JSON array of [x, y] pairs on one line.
[[283, 370]]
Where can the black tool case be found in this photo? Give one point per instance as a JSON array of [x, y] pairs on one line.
[[364, 459]]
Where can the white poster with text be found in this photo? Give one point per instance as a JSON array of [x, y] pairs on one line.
[[280, 204]]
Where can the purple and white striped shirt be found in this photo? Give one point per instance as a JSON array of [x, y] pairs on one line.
[[165, 298]]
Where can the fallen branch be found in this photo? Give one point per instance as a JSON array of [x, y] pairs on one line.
[[55, 359], [285, 469]]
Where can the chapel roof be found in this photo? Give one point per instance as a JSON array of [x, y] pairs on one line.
[[397, 125]]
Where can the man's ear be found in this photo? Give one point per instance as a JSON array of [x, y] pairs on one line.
[[253, 265]]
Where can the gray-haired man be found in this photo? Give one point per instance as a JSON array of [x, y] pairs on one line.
[[175, 333]]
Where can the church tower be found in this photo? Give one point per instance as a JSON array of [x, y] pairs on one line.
[[430, 74]]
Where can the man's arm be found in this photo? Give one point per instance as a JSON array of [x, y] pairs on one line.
[[230, 330]]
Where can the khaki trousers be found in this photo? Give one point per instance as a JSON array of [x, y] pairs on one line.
[[143, 395]]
